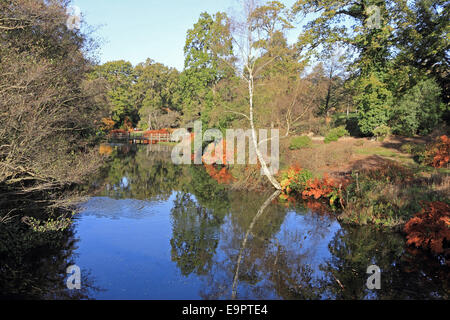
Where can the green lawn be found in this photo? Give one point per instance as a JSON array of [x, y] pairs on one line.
[[384, 152]]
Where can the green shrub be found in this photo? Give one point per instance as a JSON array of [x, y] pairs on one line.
[[295, 179], [300, 142], [418, 151], [418, 111], [335, 134], [382, 132], [407, 148]]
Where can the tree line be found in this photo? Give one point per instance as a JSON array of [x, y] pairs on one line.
[[382, 64]]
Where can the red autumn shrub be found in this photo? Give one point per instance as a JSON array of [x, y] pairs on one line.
[[439, 154], [294, 180], [430, 228], [319, 188], [215, 152]]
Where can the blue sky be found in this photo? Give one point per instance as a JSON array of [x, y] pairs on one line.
[[135, 30]]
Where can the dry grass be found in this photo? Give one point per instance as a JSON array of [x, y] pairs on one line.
[[320, 158], [348, 154]]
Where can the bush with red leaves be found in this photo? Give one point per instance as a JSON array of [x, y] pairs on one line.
[[320, 188], [430, 228], [439, 154]]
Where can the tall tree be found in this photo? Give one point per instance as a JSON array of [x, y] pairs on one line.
[[364, 26], [155, 93], [208, 46], [397, 45], [120, 78], [251, 38], [423, 41]]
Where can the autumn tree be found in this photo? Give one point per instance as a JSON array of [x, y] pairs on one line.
[[48, 107]]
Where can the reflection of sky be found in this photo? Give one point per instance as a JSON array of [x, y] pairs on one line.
[[315, 233], [103, 207], [124, 182], [128, 252], [126, 245]]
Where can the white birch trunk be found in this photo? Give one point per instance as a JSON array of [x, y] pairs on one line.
[[254, 138]]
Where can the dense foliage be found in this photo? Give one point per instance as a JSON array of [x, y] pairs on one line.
[[386, 60], [48, 104]]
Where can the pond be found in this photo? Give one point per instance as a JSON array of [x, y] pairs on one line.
[[154, 230]]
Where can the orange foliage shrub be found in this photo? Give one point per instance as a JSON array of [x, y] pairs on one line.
[[439, 154], [430, 228], [215, 153], [319, 188], [298, 181], [107, 124], [294, 180]]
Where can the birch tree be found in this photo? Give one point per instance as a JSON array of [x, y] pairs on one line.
[[251, 33]]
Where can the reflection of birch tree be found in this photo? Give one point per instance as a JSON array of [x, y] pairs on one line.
[[263, 258], [282, 265], [244, 241]]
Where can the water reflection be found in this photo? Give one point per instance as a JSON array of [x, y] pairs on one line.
[[244, 241], [153, 230], [195, 235], [275, 255], [33, 265]]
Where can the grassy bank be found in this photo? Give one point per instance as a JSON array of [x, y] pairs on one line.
[[369, 182]]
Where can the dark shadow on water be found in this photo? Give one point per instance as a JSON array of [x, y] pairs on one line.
[[33, 265]]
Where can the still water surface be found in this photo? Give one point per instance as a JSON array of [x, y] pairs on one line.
[[153, 230]]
